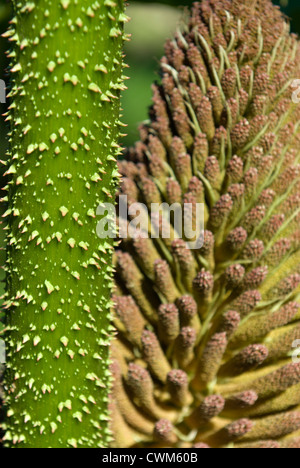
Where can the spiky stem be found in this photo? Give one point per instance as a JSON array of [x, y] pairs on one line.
[[67, 65]]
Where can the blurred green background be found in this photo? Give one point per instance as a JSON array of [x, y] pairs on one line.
[[151, 23]]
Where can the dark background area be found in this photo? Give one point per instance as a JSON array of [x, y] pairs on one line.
[[151, 23]]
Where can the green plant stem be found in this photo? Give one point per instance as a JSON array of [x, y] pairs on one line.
[[67, 66]]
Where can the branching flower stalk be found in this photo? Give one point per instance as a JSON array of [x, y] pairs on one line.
[[64, 114], [203, 355]]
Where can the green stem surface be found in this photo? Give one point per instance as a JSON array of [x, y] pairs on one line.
[[67, 77]]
